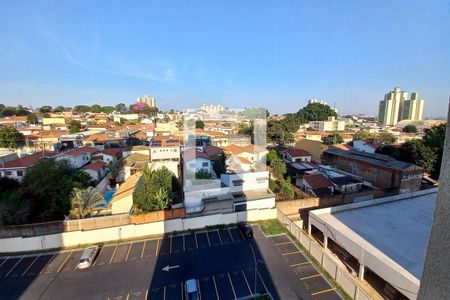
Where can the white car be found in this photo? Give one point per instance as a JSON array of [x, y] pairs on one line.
[[191, 290], [87, 257]]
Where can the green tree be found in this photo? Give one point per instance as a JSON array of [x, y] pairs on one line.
[[154, 190], [286, 188], [334, 138], [82, 108], [248, 129], [416, 152], [410, 129], [75, 126], [121, 108], [85, 201], [361, 135], [315, 112], [96, 108], [32, 119], [59, 109], [278, 167], [390, 150], [386, 138], [11, 138], [45, 109], [107, 109], [278, 133], [271, 156], [199, 124], [219, 164], [47, 188], [434, 138]]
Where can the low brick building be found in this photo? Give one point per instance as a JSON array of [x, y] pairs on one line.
[[381, 171]]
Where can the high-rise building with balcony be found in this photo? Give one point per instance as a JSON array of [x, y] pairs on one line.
[[150, 101], [413, 108]]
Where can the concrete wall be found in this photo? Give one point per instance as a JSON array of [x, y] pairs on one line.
[[125, 232], [251, 181], [123, 205]]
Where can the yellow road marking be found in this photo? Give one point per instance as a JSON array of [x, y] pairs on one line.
[[129, 250], [220, 238], [46, 265], [112, 256], [196, 244], [324, 291], [215, 286], [230, 235], [246, 281], [232, 287], [264, 284], [199, 292], [157, 245], [301, 264], [14, 266], [170, 249], [143, 248], [184, 243], [64, 262], [285, 243], [312, 276], [30, 265], [207, 236], [289, 253], [3, 262]]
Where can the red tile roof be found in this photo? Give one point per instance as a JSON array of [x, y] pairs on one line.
[[194, 153], [78, 151], [27, 161], [96, 166], [113, 152], [213, 151], [296, 152], [317, 181]]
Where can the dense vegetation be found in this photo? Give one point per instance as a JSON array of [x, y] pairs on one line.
[[155, 190], [426, 153], [7, 111], [11, 138], [44, 195], [281, 131]]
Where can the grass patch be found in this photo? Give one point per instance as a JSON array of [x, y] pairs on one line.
[[271, 227]]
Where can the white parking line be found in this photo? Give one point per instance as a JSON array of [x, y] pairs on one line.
[[14, 266], [232, 287]]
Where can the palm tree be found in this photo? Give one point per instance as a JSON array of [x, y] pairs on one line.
[[84, 201]]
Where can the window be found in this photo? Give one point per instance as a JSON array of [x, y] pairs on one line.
[[238, 182], [205, 164], [19, 173], [261, 179], [8, 173]]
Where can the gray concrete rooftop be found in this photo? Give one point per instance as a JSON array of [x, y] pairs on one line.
[[400, 229]]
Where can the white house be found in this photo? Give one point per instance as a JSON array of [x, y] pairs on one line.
[[78, 157], [364, 146], [97, 170], [293, 154], [17, 168], [196, 160]]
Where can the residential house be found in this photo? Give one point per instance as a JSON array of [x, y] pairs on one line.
[[78, 157], [165, 151], [196, 160], [292, 154], [366, 146], [122, 201], [316, 185], [315, 148], [17, 168], [109, 155], [135, 163], [96, 169]]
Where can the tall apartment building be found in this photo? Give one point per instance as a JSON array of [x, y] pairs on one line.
[[396, 107], [151, 101], [413, 108]]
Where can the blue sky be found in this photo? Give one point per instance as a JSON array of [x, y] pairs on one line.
[[275, 54]]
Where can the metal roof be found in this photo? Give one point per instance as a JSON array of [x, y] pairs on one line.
[[373, 158]]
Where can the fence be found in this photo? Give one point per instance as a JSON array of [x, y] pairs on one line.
[[160, 215], [339, 274]]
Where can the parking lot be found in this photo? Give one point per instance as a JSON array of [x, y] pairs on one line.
[[221, 261]]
